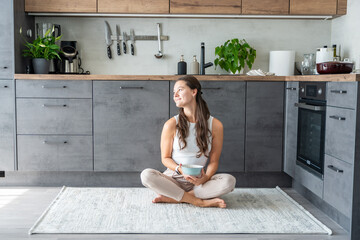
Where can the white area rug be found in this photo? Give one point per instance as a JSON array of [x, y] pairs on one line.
[[130, 210]]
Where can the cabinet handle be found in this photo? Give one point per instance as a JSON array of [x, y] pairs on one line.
[[339, 91], [131, 87], [291, 88], [55, 142], [44, 86], [338, 118], [5, 67], [212, 88], [335, 169], [59, 105], [6, 86]]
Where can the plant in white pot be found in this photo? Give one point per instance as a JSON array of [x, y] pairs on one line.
[[42, 50], [234, 54]]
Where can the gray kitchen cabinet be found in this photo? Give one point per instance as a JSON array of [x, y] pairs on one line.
[[226, 102], [53, 89], [54, 116], [342, 94], [6, 40], [264, 126], [55, 153], [309, 180], [54, 125], [290, 127], [7, 158], [128, 120], [338, 178], [340, 133]]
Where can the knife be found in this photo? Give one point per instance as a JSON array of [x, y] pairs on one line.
[[124, 41], [118, 39], [108, 38], [132, 38]]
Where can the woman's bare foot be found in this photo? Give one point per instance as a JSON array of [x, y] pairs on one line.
[[215, 202], [163, 199]]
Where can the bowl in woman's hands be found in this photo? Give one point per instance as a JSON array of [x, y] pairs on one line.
[[192, 170]]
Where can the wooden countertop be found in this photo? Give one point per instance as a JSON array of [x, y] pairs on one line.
[[230, 77]]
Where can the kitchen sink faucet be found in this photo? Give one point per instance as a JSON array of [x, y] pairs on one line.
[[202, 60]]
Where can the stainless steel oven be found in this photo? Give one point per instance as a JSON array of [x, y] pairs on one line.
[[311, 126]]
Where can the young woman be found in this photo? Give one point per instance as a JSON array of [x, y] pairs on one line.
[[191, 137]]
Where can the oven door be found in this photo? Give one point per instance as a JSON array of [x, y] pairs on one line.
[[311, 134]]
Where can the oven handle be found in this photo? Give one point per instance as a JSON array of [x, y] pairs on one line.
[[310, 107]]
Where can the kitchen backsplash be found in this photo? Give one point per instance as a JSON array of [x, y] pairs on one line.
[[185, 36], [345, 31]]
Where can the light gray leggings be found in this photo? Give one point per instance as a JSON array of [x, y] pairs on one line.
[[173, 186]]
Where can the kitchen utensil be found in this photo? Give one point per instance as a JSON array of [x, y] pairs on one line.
[[308, 64], [159, 54], [125, 38], [118, 33], [132, 38], [42, 28], [334, 67], [108, 38], [324, 55]]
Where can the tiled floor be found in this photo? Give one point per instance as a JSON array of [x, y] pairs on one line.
[[20, 207]]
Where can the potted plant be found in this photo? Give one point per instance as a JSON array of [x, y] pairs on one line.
[[234, 54], [42, 50]]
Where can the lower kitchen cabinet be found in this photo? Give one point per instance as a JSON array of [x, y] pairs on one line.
[[7, 158], [338, 178], [128, 120], [290, 127], [226, 102], [54, 153], [264, 126]]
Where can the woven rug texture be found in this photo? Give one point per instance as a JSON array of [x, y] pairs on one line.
[[130, 210]]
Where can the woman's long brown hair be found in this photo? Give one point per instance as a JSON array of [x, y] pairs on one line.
[[202, 115]]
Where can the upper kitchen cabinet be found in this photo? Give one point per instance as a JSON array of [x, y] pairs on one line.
[[311, 7], [59, 6], [133, 6], [205, 6], [265, 7]]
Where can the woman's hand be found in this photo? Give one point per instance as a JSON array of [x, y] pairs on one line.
[[197, 180]]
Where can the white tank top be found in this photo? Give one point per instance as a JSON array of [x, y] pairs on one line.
[[188, 154]]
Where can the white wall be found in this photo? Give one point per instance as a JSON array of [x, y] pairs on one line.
[[345, 31], [303, 36]]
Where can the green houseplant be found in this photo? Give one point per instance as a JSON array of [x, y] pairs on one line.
[[42, 50], [234, 54]]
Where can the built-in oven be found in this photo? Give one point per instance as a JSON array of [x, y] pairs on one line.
[[311, 126]]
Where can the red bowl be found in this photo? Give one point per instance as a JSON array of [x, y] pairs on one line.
[[334, 67]]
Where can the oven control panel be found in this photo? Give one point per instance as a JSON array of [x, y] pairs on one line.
[[312, 90]]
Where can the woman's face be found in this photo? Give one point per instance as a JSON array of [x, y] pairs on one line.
[[183, 95]]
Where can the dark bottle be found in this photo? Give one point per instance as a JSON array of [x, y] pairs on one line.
[[182, 66]]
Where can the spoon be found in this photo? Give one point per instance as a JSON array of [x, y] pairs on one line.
[[159, 54]]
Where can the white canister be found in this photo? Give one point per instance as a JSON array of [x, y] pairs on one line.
[[282, 63], [324, 55]]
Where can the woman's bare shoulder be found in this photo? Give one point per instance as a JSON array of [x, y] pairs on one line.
[[217, 125], [170, 125]]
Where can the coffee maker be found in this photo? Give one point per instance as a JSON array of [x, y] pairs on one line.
[[69, 57]]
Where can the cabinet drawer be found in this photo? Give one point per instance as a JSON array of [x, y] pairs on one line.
[[54, 88], [54, 116], [340, 133], [342, 94], [309, 180], [337, 184], [55, 153]]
